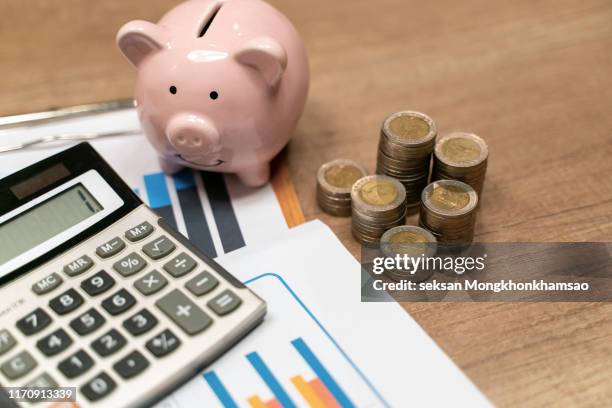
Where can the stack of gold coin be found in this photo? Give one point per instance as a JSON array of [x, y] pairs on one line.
[[334, 182], [448, 210], [461, 156], [378, 203], [407, 140], [414, 242]]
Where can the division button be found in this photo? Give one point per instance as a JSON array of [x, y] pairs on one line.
[[88, 322], [54, 343], [18, 366], [34, 322], [99, 387], [47, 284], [140, 323], [139, 232], [78, 266], [182, 311], [76, 364], [66, 302], [150, 283], [159, 248], [7, 341], [202, 284], [224, 303], [180, 265], [131, 365], [109, 343], [98, 283], [162, 344], [110, 248], [119, 302], [129, 265]]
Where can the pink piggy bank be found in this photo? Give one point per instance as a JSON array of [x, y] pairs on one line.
[[221, 85]]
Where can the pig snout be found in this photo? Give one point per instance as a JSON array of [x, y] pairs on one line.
[[192, 134]]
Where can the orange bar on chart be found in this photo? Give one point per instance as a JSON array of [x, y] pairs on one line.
[[323, 393], [256, 402], [273, 403], [307, 392]]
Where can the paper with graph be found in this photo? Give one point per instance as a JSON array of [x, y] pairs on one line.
[[319, 346], [215, 211]]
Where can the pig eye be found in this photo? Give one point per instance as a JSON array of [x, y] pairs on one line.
[[173, 90], [213, 95]]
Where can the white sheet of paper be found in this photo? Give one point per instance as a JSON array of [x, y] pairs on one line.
[[376, 353], [256, 211]]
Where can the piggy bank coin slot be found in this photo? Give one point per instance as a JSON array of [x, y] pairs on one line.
[[208, 23]]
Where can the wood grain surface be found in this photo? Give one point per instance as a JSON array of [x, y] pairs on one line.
[[534, 78]]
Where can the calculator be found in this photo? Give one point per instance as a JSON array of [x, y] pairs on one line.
[[101, 294]]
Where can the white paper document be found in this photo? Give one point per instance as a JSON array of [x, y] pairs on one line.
[[215, 211], [319, 345]]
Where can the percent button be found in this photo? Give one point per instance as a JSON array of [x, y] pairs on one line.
[[129, 265]]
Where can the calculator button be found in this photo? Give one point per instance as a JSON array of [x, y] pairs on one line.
[[88, 322], [109, 343], [131, 365], [182, 311], [76, 364], [54, 343], [181, 265], [99, 387], [66, 302], [224, 303], [110, 248], [34, 322], [202, 284], [139, 232], [7, 341], [98, 283], [162, 344], [78, 266], [119, 302], [47, 284], [18, 366], [140, 323], [131, 264], [158, 248], [43, 381], [150, 283]]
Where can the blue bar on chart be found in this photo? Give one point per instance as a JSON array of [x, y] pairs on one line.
[[219, 389], [264, 372], [321, 372], [223, 211], [159, 199], [193, 212]]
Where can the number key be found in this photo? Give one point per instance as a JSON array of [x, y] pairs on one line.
[[140, 323], [109, 343], [99, 387], [66, 302], [76, 364], [34, 322], [54, 343], [119, 302], [88, 322], [98, 283]]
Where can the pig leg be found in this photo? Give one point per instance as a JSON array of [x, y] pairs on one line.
[[255, 176], [168, 166]]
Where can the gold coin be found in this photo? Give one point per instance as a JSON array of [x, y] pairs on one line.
[[343, 175], [461, 149], [449, 197], [378, 192], [409, 127]]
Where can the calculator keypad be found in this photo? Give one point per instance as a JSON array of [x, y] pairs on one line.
[[18, 366], [98, 283], [76, 364], [139, 232], [88, 322], [131, 365], [98, 387], [78, 266], [109, 343], [54, 343], [119, 302], [159, 248], [66, 302], [163, 344], [180, 265], [129, 265], [140, 323], [7, 341], [202, 284], [47, 284], [34, 322], [185, 313], [150, 283], [110, 248]]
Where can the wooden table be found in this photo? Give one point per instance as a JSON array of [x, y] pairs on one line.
[[533, 78]]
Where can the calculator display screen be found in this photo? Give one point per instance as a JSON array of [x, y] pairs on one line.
[[46, 220]]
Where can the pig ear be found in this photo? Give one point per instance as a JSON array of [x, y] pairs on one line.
[[139, 39], [265, 55]]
